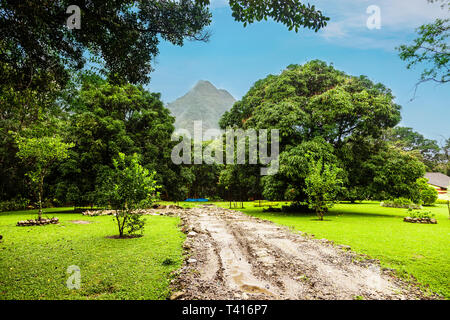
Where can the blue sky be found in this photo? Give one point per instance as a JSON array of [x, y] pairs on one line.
[[236, 57]]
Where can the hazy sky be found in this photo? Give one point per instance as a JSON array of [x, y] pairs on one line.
[[236, 57]]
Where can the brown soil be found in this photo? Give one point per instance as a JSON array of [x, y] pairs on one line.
[[235, 256]]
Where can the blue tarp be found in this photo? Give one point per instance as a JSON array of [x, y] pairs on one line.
[[196, 200]]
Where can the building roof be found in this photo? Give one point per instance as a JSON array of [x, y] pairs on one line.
[[438, 179]]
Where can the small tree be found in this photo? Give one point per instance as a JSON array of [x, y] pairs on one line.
[[126, 188], [428, 194], [41, 153], [323, 185]]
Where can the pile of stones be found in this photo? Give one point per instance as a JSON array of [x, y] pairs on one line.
[[37, 222], [162, 206], [93, 213], [420, 220]]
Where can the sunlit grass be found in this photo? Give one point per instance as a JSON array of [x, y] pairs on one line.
[[34, 260]]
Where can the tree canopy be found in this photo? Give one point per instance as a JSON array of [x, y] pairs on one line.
[[430, 49], [107, 119], [409, 140], [121, 36], [338, 118]]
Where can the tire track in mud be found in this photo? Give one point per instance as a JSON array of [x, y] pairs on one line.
[[234, 256]]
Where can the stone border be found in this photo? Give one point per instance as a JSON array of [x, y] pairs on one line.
[[420, 220], [37, 222]]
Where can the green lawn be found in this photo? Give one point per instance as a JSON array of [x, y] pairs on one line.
[[34, 260], [412, 249]]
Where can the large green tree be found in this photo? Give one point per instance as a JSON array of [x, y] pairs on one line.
[[317, 108], [407, 139], [446, 157], [119, 39], [107, 119], [34, 107], [121, 35], [392, 173]]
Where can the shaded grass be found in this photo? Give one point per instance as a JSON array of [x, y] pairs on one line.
[[34, 260]]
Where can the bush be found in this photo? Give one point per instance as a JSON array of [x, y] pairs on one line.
[[215, 198], [297, 207], [264, 203], [422, 215], [14, 204], [429, 196], [401, 203]]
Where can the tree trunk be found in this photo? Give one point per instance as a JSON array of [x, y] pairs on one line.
[[40, 207], [119, 224], [320, 215], [448, 206], [41, 191]]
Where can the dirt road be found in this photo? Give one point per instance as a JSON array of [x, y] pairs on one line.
[[235, 256]]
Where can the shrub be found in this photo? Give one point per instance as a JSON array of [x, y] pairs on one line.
[[400, 203], [14, 204], [422, 215], [429, 196], [297, 207], [264, 203]]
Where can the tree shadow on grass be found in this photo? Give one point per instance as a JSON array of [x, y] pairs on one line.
[[60, 212], [126, 236], [35, 212]]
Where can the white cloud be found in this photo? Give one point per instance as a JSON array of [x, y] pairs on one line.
[[398, 19]]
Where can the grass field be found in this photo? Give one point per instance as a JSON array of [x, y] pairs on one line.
[[34, 260], [412, 249], [417, 250]]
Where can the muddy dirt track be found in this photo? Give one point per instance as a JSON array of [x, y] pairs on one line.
[[234, 256]]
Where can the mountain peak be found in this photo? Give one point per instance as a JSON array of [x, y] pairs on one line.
[[205, 85], [204, 102]]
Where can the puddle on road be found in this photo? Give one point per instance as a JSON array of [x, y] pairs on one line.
[[244, 283]]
